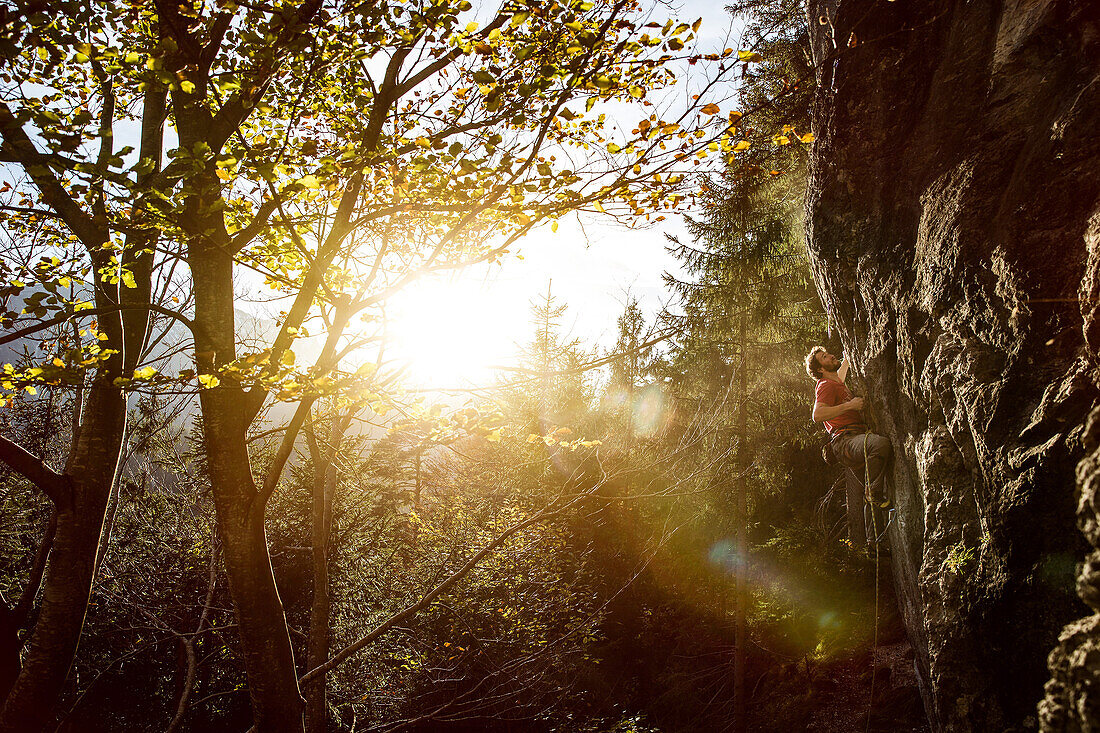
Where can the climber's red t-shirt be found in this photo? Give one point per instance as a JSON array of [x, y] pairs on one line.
[[831, 394]]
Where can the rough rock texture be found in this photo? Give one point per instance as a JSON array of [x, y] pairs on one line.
[[955, 237], [1072, 702]]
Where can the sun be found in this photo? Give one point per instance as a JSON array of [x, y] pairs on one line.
[[450, 332]]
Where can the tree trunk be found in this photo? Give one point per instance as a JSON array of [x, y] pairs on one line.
[[9, 649], [14, 619], [80, 512], [741, 541], [82, 494], [324, 489], [265, 640], [227, 411]]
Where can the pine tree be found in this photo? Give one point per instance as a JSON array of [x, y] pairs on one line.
[[748, 297]]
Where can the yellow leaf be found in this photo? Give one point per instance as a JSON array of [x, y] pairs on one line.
[[750, 57], [554, 226], [742, 145], [208, 381], [288, 358], [58, 363], [222, 174], [711, 109], [144, 373], [31, 390], [188, 87], [309, 181], [807, 138]]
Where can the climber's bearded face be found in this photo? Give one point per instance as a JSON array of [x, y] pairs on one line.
[[828, 362]]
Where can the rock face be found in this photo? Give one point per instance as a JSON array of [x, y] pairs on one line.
[[953, 221]]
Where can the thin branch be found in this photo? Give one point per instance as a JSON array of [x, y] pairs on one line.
[[426, 600], [22, 610], [41, 326]]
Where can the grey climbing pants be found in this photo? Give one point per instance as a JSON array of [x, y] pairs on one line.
[[849, 448]]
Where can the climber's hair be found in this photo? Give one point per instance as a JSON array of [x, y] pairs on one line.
[[813, 366]]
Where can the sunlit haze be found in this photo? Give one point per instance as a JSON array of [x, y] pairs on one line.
[[450, 331]]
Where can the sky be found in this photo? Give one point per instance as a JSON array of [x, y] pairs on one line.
[[454, 329]]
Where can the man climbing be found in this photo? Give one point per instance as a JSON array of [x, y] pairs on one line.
[[840, 412]]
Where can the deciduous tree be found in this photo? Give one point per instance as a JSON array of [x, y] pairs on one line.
[[336, 151]]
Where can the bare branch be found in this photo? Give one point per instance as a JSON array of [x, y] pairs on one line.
[[34, 469], [57, 320], [18, 144]]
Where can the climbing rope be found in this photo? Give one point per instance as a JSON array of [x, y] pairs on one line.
[[874, 533]]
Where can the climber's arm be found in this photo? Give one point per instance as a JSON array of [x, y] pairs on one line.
[[824, 412], [842, 372]]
